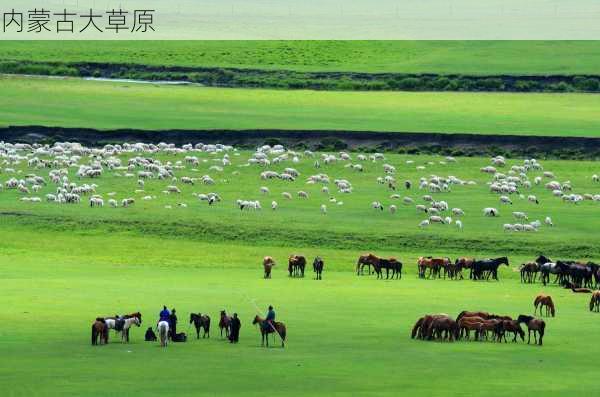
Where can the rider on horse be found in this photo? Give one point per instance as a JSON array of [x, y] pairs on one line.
[[164, 315], [270, 319]]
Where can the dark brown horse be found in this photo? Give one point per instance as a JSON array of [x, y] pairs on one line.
[[268, 263], [388, 264], [443, 328], [535, 325], [99, 332], [512, 326], [224, 323], [366, 260], [201, 322], [318, 265], [422, 325], [296, 265], [529, 272], [466, 324], [266, 329]]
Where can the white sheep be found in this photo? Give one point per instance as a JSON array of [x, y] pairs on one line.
[[323, 209], [274, 205], [424, 223], [286, 195], [489, 211], [520, 215], [393, 209], [459, 224], [548, 221]]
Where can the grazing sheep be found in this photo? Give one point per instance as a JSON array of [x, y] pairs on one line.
[[490, 212], [424, 223], [407, 200], [377, 205], [286, 195], [323, 209], [532, 199], [393, 209], [436, 219], [457, 212], [302, 194], [520, 215], [595, 178], [459, 224], [505, 200], [113, 203], [508, 227], [274, 205], [126, 202], [264, 190], [548, 221]]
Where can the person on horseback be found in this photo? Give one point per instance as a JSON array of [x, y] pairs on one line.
[[164, 315], [270, 319]]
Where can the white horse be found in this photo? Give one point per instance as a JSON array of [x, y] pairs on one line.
[[163, 332], [112, 322]]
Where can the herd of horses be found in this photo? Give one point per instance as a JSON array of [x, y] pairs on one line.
[[485, 326], [569, 273], [122, 324], [296, 266]]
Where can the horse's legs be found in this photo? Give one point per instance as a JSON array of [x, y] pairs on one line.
[[528, 336]]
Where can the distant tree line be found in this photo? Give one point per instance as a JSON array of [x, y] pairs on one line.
[[335, 81]]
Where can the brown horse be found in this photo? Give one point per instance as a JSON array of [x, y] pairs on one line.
[[467, 324], [443, 328], [99, 331], [544, 300], [366, 260], [422, 325], [296, 265], [509, 326], [428, 263], [529, 272], [535, 325], [465, 263], [224, 323], [268, 263], [488, 325], [266, 329], [595, 301], [464, 313], [318, 265]]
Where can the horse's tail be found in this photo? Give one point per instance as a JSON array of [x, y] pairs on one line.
[[552, 309], [416, 328], [541, 330], [283, 333], [593, 298]]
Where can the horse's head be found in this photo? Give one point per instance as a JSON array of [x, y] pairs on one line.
[[504, 260], [540, 260], [524, 318], [223, 314], [138, 315], [192, 315], [256, 320]]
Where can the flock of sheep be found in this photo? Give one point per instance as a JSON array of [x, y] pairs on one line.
[[75, 172]]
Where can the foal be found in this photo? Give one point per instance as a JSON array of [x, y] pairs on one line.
[[544, 300]]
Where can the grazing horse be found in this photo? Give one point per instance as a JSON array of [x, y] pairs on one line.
[[296, 265], [266, 329], [487, 325], [443, 328], [431, 264], [595, 302], [224, 323], [464, 313], [488, 267], [468, 324], [388, 264], [509, 326], [366, 260], [535, 325], [99, 331], [544, 300], [422, 325], [163, 332], [268, 263], [529, 272], [318, 265], [201, 321]]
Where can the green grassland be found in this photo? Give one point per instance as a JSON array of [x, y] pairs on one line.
[[62, 265], [109, 105], [440, 57]]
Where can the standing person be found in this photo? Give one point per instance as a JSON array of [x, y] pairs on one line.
[[173, 324], [236, 324]]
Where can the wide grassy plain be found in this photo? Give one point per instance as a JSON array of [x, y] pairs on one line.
[[62, 265], [441, 57], [110, 105]]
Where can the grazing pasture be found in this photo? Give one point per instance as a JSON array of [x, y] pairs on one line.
[[112, 105], [64, 261], [64, 279], [443, 57]]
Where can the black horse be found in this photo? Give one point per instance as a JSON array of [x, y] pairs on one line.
[[389, 264], [483, 269], [318, 267], [201, 321]]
